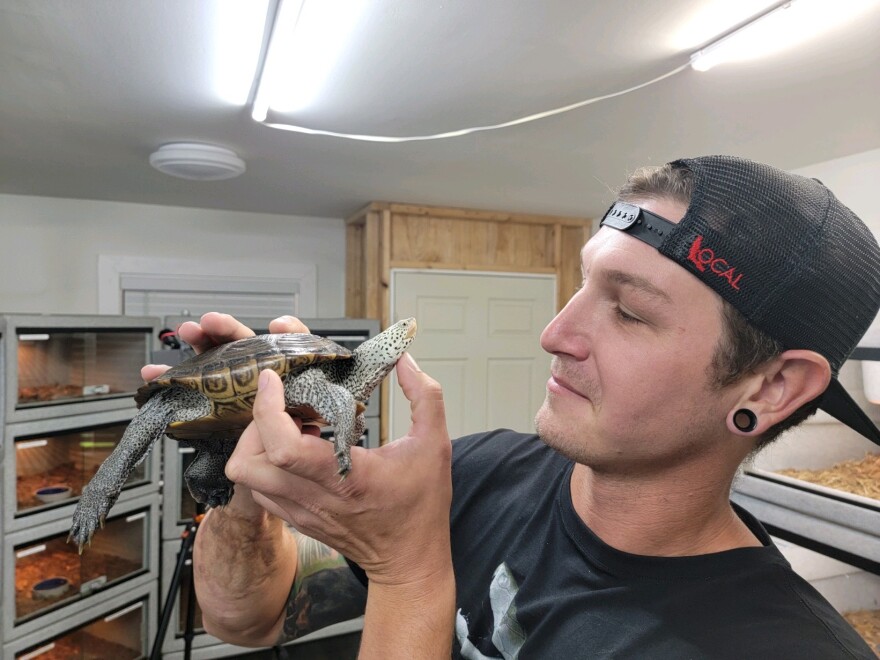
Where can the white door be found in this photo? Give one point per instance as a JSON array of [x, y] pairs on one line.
[[478, 335]]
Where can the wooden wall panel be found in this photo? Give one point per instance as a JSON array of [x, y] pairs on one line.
[[373, 293], [569, 277], [521, 245], [355, 271], [421, 240]]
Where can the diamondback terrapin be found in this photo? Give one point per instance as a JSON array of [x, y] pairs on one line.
[[207, 401]]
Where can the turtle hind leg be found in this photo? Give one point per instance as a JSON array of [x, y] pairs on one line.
[[206, 476], [100, 494]]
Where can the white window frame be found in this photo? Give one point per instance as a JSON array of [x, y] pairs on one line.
[[114, 272]]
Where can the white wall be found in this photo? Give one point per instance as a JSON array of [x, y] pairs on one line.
[[853, 179], [49, 247]]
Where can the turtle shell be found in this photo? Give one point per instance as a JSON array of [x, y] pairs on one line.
[[227, 375]]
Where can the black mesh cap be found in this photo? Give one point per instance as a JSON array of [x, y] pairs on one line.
[[784, 251]]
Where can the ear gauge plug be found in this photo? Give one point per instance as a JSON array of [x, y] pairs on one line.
[[745, 420]]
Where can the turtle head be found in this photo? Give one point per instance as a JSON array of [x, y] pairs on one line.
[[376, 357]]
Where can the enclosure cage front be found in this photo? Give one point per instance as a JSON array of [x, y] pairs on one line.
[[65, 365], [45, 578], [48, 462]]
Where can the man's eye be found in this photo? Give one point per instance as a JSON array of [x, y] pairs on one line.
[[626, 318]]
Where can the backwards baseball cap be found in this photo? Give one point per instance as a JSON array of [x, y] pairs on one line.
[[784, 251]]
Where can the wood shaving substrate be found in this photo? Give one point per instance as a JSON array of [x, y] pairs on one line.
[[867, 624], [859, 477]]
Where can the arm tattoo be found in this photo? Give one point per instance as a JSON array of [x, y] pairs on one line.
[[324, 592]]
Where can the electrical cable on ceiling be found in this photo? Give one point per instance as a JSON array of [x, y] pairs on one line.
[[475, 129], [701, 60]]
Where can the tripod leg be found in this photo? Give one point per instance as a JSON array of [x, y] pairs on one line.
[[189, 630], [185, 548]]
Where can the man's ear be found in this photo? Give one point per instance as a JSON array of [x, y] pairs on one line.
[[780, 387]]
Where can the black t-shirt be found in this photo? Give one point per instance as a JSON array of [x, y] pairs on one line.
[[534, 582]]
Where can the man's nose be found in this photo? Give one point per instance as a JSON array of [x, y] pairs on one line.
[[569, 331]]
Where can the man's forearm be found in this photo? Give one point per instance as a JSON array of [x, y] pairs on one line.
[[244, 564]]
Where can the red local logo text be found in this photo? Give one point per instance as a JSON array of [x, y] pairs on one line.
[[705, 257]]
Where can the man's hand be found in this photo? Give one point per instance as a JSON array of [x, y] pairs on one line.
[[390, 514]]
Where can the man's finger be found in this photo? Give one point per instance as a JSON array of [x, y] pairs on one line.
[[250, 466], [239, 465], [224, 328], [287, 324], [151, 371], [242, 466], [283, 442], [211, 330]]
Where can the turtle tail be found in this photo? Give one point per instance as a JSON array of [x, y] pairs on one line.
[[101, 492]]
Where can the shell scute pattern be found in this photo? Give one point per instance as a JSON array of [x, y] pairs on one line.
[[228, 374], [243, 403], [244, 375], [217, 385]]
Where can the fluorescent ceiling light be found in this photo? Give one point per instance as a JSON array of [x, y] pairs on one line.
[[778, 28], [238, 40], [712, 20], [306, 42]]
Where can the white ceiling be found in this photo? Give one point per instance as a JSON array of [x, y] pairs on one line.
[[89, 88]]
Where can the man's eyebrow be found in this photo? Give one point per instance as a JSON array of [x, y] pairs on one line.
[[637, 282]]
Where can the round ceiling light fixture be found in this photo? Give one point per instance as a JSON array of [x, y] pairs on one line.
[[197, 161]]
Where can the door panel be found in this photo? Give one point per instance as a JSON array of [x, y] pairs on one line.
[[458, 394], [479, 337]]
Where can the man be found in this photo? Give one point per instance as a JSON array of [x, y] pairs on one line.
[[719, 300]]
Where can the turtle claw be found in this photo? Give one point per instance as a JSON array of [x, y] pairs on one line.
[[344, 466], [343, 457], [81, 533], [90, 515], [211, 495], [219, 498], [76, 534]]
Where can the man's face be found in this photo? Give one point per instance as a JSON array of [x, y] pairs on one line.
[[632, 350]]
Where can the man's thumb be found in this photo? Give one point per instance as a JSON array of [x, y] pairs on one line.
[[425, 396]]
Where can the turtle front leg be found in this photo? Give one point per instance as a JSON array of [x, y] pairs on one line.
[[334, 403], [345, 440]]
